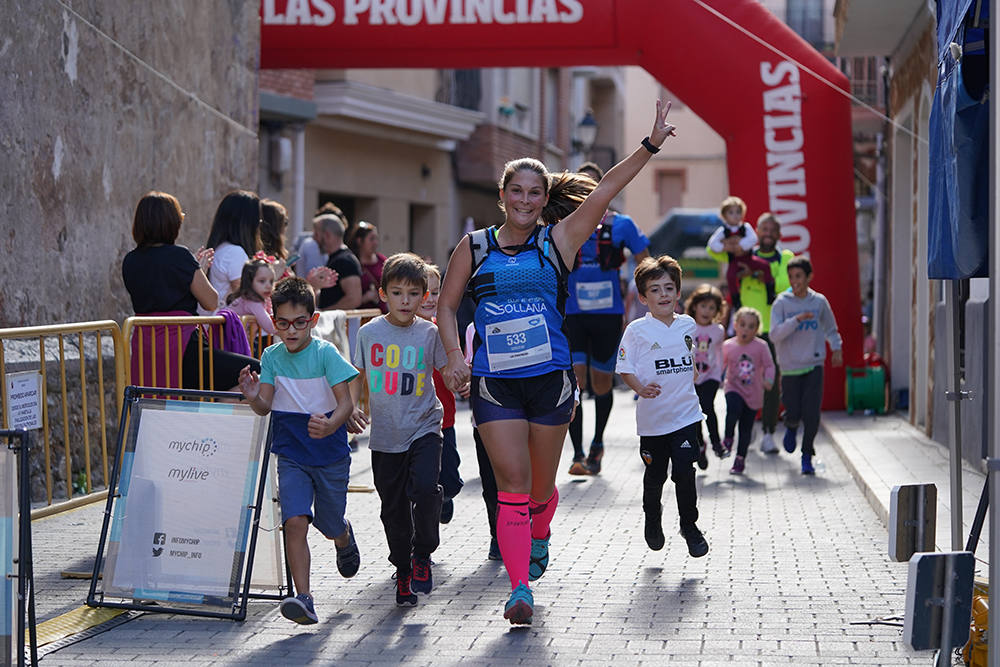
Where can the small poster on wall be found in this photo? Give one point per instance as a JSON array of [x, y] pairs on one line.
[[24, 400], [180, 523]]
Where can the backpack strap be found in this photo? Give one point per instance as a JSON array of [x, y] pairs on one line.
[[479, 244]]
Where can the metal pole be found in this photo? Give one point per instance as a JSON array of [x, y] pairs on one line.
[[992, 358], [955, 396], [948, 611]]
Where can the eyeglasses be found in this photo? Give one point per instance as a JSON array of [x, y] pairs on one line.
[[299, 324]]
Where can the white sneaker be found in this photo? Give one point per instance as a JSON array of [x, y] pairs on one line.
[[768, 445]]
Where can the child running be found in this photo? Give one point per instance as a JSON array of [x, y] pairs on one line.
[[801, 325], [705, 306], [398, 353], [655, 360], [749, 371], [304, 380], [253, 297], [450, 479]]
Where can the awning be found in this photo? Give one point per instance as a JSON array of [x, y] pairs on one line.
[[959, 145]]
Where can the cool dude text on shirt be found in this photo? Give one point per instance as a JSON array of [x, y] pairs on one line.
[[397, 369]]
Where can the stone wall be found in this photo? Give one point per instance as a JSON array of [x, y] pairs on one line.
[[104, 101]]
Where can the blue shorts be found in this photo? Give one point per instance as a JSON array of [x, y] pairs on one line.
[[594, 339], [544, 399], [301, 488]]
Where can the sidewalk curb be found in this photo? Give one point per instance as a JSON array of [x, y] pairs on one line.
[[853, 463]]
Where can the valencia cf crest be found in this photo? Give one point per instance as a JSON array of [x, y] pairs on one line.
[[647, 456], [689, 342]]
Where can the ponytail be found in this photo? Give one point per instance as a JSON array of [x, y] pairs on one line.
[[567, 190]]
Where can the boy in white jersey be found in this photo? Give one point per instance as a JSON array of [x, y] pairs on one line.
[[655, 359]]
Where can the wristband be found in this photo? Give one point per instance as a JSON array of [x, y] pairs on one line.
[[650, 147], [455, 349]]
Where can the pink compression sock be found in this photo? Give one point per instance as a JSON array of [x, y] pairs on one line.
[[541, 515], [514, 535]]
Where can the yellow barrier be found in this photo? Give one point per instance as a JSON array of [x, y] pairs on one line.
[[79, 415], [149, 351]]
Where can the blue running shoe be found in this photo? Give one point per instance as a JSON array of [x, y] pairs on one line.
[[299, 609], [789, 440], [807, 465], [520, 607], [539, 557], [422, 581]]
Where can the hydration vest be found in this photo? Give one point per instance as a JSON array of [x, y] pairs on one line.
[[609, 255], [483, 241]]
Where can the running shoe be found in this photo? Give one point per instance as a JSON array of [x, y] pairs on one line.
[[447, 510], [807, 465], [299, 609], [768, 445], [348, 558], [789, 440], [539, 557], [703, 457], [654, 529], [595, 456], [520, 607], [579, 466], [404, 596], [422, 581], [697, 544], [727, 447], [719, 450], [494, 553], [738, 465]]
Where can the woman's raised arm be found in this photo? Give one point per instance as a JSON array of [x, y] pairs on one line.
[[576, 228]]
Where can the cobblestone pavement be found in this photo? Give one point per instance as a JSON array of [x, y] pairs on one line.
[[797, 566]]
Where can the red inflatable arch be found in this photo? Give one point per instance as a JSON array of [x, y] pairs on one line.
[[787, 130]]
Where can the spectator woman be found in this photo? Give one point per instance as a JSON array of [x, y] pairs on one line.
[[235, 238], [164, 279], [363, 242], [522, 382]]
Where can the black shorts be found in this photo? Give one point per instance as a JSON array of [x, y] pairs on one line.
[[680, 446], [544, 399], [594, 338]]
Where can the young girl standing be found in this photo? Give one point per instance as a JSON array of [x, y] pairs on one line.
[[253, 296], [705, 306], [749, 371]]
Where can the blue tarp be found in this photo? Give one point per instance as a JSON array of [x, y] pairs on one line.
[[959, 148]]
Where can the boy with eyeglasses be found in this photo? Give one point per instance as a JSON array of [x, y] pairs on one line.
[[304, 381]]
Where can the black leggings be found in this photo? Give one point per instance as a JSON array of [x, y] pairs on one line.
[[706, 397], [225, 366], [737, 411], [658, 453]]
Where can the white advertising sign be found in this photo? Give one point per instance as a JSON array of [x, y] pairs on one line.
[[8, 552], [179, 528], [267, 559], [24, 400]]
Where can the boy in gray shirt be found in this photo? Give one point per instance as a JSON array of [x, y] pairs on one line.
[[397, 354], [801, 325]]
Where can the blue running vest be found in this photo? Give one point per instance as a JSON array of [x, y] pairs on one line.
[[519, 303]]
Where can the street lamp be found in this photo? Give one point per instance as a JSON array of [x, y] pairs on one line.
[[586, 133]]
